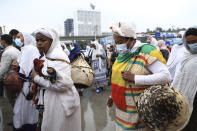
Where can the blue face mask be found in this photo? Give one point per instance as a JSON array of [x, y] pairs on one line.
[[18, 42], [122, 49], [178, 41], [1, 46], [192, 48]]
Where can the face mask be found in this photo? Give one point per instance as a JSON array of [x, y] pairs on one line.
[[1, 46], [18, 42], [122, 48], [179, 41], [192, 48]]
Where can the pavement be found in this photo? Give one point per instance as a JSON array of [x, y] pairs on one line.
[[94, 113], [5, 115]]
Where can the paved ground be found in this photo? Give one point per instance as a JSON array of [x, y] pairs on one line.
[[94, 112], [5, 115]]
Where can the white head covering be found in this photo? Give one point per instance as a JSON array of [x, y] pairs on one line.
[[97, 51], [55, 45], [52, 34], [29, 39], [181, 33], [28, 53], [124, 29], [88, 48]]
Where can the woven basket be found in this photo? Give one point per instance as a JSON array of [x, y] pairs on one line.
[[81, 72]]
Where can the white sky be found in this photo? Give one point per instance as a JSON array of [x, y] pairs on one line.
[[28, 15]]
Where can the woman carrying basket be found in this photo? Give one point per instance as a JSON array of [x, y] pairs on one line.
[[137, 67]]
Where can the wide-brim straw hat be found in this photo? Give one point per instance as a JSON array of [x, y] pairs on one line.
[[163, 108]]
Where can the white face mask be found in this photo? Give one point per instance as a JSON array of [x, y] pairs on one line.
[[122, 48]]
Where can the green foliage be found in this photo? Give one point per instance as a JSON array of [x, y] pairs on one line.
[[83, 43]]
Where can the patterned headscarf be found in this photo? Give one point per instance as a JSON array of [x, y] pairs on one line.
[[163, 108]]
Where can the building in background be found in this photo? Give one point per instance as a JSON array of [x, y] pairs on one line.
[[87, 23], [68, 27], [1, 32]]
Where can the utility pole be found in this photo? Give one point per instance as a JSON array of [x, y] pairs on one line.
[[95, 31], [4, 31]]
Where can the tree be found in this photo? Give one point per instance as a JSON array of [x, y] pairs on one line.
[[83, 43], [159, 29], [169, 30], [148, 30]]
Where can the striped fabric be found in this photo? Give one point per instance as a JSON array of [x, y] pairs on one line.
[[125, 94], [128, 125]]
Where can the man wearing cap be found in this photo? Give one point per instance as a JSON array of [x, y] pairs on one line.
[[137, 67], [185, 80]]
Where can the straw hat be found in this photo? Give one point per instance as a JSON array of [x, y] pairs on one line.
[[163, 108], [124, 29]]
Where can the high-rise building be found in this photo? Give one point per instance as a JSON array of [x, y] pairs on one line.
[[87, 23], [68, 27]]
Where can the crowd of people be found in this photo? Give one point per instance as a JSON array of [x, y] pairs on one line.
[[153, 87]]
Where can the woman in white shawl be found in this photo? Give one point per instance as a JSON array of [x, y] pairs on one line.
[[99, 66], [25, 114], [60, 98]]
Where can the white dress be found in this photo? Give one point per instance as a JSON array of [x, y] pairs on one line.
[[175, 58], [24, 111], [61, 100], [185, 80]]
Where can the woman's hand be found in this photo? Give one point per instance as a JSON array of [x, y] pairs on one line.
[[127, 76], [110, 102]]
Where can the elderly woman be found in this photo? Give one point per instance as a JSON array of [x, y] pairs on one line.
[[133, 72], [59, 96], [25, 114], [99, 66]]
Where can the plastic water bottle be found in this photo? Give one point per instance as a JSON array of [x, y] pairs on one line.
[[98, 91]]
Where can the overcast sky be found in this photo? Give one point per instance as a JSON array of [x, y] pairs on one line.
[[28, 15]]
